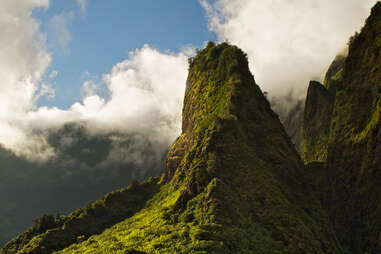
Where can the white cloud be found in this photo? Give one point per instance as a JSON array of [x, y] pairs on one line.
[[145, 95], [53, 74], [46, 90], [82, 5], [60, 32], [23, 61], [288, 42], [89, 88], [145, 91]]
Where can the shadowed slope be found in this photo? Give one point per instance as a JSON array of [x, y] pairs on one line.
[[354, 156]]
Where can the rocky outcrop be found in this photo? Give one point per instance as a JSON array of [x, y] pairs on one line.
[[316, 122]]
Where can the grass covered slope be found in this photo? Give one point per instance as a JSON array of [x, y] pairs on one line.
[[51, 233], [233, 182], [354, 157]]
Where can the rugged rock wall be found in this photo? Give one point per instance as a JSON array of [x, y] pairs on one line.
[[354, 155], [316, 122]]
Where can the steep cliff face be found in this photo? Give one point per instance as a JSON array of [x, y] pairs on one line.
[[231, 140], [354, 156], [316, 122], [233, 182], [334, 73]]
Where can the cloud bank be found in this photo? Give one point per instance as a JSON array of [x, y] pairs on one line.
[[289, 42], [23, 62], [145, 91], [82, 4]]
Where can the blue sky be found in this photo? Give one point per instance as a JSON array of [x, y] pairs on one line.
[[144, 93], [104, 33]]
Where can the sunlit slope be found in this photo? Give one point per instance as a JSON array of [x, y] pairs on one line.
[[233, 182]]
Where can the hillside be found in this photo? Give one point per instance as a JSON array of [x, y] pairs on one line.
[[233, 180], [89, 164], [354, 149], [341, 127]]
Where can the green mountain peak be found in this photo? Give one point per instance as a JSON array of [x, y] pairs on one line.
[[233, 181]]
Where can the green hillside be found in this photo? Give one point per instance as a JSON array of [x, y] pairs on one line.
[[354, 152], [233, 181]]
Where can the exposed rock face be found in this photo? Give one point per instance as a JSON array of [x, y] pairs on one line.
[[334, 74], [354, 156], [316, 122]]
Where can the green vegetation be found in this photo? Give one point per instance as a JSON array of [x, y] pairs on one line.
[[233, 181], [54, 233], [316, 122], [354, 161], [83, 169], [318, 113], [345, 129]]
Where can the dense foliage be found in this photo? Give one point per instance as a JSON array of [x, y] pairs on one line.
[[349, 180], [51, 233], [81, 171], [233, 181], [354, 152]]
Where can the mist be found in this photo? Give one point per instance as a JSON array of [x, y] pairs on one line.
[[288, 42], [143, 93]]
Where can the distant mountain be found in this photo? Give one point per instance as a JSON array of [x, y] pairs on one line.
[[316, 122], [85, 167], [342, 129]]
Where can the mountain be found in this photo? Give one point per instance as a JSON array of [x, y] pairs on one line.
[[354, 146], [316, 122], [85, 167], [233, 180], [318, 109], [233, 183], [342, 129]]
